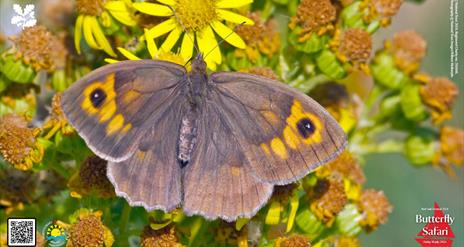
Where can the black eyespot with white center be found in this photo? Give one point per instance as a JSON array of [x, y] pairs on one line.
[[97, 97], [306, 127]]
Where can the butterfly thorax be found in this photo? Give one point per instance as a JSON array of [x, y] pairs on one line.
[[198, 80]]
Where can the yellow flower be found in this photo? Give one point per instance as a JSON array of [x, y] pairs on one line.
[[93, 14], [196, 19], [155, 53]]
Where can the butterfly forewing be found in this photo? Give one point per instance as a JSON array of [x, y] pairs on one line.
[[283, 133], [112, 107]]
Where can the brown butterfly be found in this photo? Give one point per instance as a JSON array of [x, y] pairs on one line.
[[215, 145]]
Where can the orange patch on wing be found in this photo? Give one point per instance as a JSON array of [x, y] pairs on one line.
[[115, 124], [265, 148], [297, 113], [130, 96], [108, 108], [291, 138], [235, 171], [278, 147], [271, 117]]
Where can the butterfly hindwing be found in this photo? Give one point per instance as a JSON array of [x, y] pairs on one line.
[[152, 177], [217, 181], [283, 133], [113, 106]]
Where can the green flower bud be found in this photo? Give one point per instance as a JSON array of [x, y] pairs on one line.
[[385, 73], [329, 65], [314, 44], [348, 220], [420, 147], [411, 103], [309, 223], [16, 71]]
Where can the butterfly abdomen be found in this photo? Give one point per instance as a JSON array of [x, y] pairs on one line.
[[187, 138]]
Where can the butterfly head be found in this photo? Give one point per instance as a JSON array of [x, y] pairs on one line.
[[199, 64]]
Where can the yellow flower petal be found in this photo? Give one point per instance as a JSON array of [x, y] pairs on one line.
[[226, 4], [128, 54], [153, 9], [208, 46], [171, 39], [162, 28], [88, 35], [110, 60], [152, 49], [168, 2], [103, 43], [186, 50], [228, 34], [120, 11], [233, 17], [78, 33], [105, 19]]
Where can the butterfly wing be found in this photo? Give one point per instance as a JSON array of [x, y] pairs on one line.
[[135, 127], [152, 176], [283, 133], [112, 107], [218, 182]]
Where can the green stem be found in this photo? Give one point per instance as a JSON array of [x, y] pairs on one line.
[[124, 219]]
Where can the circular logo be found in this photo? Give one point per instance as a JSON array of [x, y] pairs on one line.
[[54, 234]]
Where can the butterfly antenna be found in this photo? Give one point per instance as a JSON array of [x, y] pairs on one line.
[[185, 30], [222, 40]]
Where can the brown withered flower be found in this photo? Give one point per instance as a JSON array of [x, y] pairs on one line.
[[57, 121], [89, 231], [294, 241], [450, 150], [262, 71], [16, 188], [165, 237], [56, 14], [386, 8], [38, 47], [17, 142], [355, 45], [375, 208], [314, 16], [327, 199], [90, 7], [408, 48], [91, 178], [439, 94], [262, 38], [226, 233], [346, 166]]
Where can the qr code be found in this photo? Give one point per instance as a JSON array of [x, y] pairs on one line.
[[21, 232]]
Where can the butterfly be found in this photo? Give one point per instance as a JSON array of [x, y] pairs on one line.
[[214, 144]]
